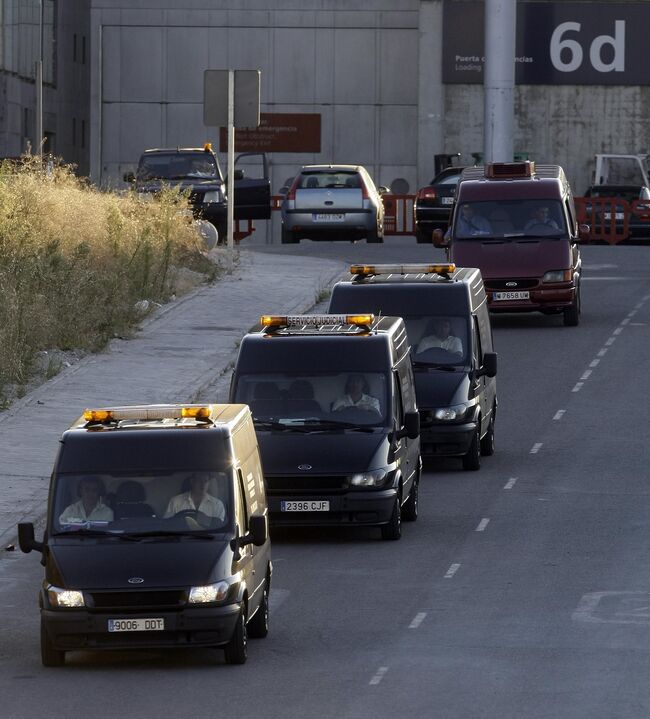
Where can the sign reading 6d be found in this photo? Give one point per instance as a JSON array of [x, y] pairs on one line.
[[606, 52]]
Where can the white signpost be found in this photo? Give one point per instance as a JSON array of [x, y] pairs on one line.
[[231, 98]]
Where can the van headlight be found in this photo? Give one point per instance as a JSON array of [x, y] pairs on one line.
[[452, 414], [557, 276], [64, 598], [374, 478], [216, 592], [212, 196]]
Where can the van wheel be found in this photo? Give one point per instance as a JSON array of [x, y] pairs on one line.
[[423, 237], [258, 626], [236, 651], [410, 508], [393, 530], [50, 656], [572, 313], [374, 236], [288, 238], [487, 443], [472, 460]]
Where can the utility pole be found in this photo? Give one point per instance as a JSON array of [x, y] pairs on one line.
[[499, 84], [39, 84]]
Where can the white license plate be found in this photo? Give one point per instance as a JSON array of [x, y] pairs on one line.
[[310, 505], [136, 625], [329, 217], [447, 200], [617, 216], [511, 295]]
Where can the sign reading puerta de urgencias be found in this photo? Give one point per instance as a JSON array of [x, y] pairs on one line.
[[558, 43]]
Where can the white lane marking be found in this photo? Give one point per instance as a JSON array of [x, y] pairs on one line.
[[591, 279], [378, 676], [586, 374], [452, 570], [417, 620], [559, 414], [631, 314], [594, 363], [578, 387], [638, 305], [610, 341], [602, 352], [617, 331], [625, 321], [638, 324], [510, 483], [482, 524], [277, 597], [536, 448]]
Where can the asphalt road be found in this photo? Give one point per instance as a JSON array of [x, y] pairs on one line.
[[523, 591]]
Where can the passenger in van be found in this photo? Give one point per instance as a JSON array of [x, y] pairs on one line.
[[438, 334], [471, 223], [90, 507], [197, 499], [541, 216], [356, 395]]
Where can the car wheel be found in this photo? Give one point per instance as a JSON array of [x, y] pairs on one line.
[[374, 236], [410, 508], [423, 237], [572, 313], [393, 530], [288, 238], [236, 651], [258, 626], [472, 460], [50, 656], [487, 443]]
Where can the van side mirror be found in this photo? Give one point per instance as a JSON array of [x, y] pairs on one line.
[[128, 177], [258, 531], [584, 231], [411, 428], [489, 367], [439, 238], [26, 540]]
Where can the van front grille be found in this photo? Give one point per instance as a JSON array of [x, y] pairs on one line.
[[305, 484], [140, 600], [506, 285]]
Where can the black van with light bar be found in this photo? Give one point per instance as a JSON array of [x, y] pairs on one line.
[[448, 324], [334, 407], [156, 534]]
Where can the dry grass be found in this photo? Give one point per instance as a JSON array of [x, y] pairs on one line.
[[74, 261]]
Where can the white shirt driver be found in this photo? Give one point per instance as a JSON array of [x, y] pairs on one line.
[[210, 506]]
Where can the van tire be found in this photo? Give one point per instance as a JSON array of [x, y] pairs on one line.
[[487, 443], [287, 237], [393, 530], [236, 651], [472, 460], [258, 626], [410, 508], [50, 657], [374, 237], [423, 238], [572, 312]]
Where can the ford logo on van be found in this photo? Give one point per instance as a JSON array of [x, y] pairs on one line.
[[136, 580], [304, 467], [511, 284]]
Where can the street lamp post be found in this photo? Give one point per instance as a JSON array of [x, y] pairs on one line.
[[39, 84]]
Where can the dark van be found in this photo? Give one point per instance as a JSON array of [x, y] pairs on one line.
[[446, 315], [517, 223], [334, 407], [156, 533]]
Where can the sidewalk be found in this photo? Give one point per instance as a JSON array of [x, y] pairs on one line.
[[182, 353]]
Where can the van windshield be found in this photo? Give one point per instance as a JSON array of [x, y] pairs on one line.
[[138, 503], [440, 340], [313, 399], [510, 219]]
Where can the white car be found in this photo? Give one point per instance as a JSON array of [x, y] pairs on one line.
[[333, 202]]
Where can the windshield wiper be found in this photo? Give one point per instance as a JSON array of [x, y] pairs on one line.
[[435, 365], [199, 534], [339, 424], [274, 424], [95, 533]]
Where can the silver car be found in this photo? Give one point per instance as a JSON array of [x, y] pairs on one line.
[[333, 202]]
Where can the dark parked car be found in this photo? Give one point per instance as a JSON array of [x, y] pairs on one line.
[[634, 201], [433, 203]]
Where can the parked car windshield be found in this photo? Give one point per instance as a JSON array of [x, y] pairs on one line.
[[188, 501], [176, 165], [511, 219], [315, 180], [307, 399]]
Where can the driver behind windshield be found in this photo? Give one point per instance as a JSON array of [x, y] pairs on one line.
[[197, 499], [438, 334], [90, 506], [356, 395]]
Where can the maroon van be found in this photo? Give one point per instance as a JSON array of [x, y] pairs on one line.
[[517, 222]]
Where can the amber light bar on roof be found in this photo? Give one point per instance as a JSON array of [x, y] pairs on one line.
[[415, 269], [362, 320], [502, 170], [160, 411]]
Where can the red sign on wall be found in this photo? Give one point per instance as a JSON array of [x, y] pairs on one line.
[[278, 132]]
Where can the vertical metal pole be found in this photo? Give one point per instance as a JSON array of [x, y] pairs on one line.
[[231, 163], [499, 84], [39, 84]]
